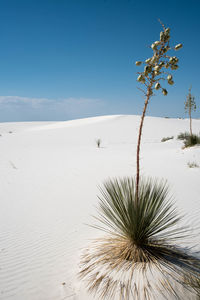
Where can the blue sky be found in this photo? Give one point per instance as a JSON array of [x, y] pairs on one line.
[[67, 59]]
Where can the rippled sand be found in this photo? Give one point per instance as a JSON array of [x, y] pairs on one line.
[[49, 177]]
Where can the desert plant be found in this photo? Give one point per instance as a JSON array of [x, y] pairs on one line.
[[190, 106], [141, 242], [167, 138], [155, 69], [139, 259], [192, 140], [192, 164], [188, 139], [183, 135], [98, 142]]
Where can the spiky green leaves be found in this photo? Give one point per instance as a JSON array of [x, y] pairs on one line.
[[138, 259], [141, 221]]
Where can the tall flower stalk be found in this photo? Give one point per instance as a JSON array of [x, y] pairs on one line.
[[190, 106], [156, 70]]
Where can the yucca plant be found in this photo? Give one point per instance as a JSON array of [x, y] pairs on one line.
[[139, 257], [189, 139], [190, 106], [192, 140], [156, 70]]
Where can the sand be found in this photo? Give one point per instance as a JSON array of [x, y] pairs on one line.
[[50, 173]]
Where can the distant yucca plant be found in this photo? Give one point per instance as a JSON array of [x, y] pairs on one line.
[[98, 142], [141, 242], [192, 140], [190, 106], [189, 139]]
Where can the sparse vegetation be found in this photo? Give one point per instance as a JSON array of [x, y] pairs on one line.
[[183, 135], [98, 143], [188, 139], [167, 138], [192, 140], [192, 165]]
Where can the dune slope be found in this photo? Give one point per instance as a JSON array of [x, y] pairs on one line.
[[50, 173]]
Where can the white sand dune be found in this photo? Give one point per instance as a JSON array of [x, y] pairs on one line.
[[50, 172]]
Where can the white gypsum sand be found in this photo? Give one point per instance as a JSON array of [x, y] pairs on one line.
[[50, 173]]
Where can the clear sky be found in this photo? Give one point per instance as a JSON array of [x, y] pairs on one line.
[[67, 59]]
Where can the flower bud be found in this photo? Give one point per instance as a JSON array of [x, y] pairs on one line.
[[156, 73], [171, 82], [138, 63], [169, 77], [157, 43], [166, 65], [166, 37], [141, 78], [154, 59], [147, 69], [164, 91], [175, 59], [148, 61], [161, 64], [179, 46], [157, 86], [165, 49], [167, 30], [154, 47], [174, 67], [162, 36], [157, 68]]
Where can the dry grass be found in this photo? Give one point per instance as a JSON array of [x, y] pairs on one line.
[[193, 282]]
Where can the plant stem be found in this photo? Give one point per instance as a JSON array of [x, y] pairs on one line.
[[190, 123], [148, 95]]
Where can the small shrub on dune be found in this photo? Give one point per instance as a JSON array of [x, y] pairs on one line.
[[192, 165], [192, 140], [167, 138], [183, 135], [189, 139], [98, 143]]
